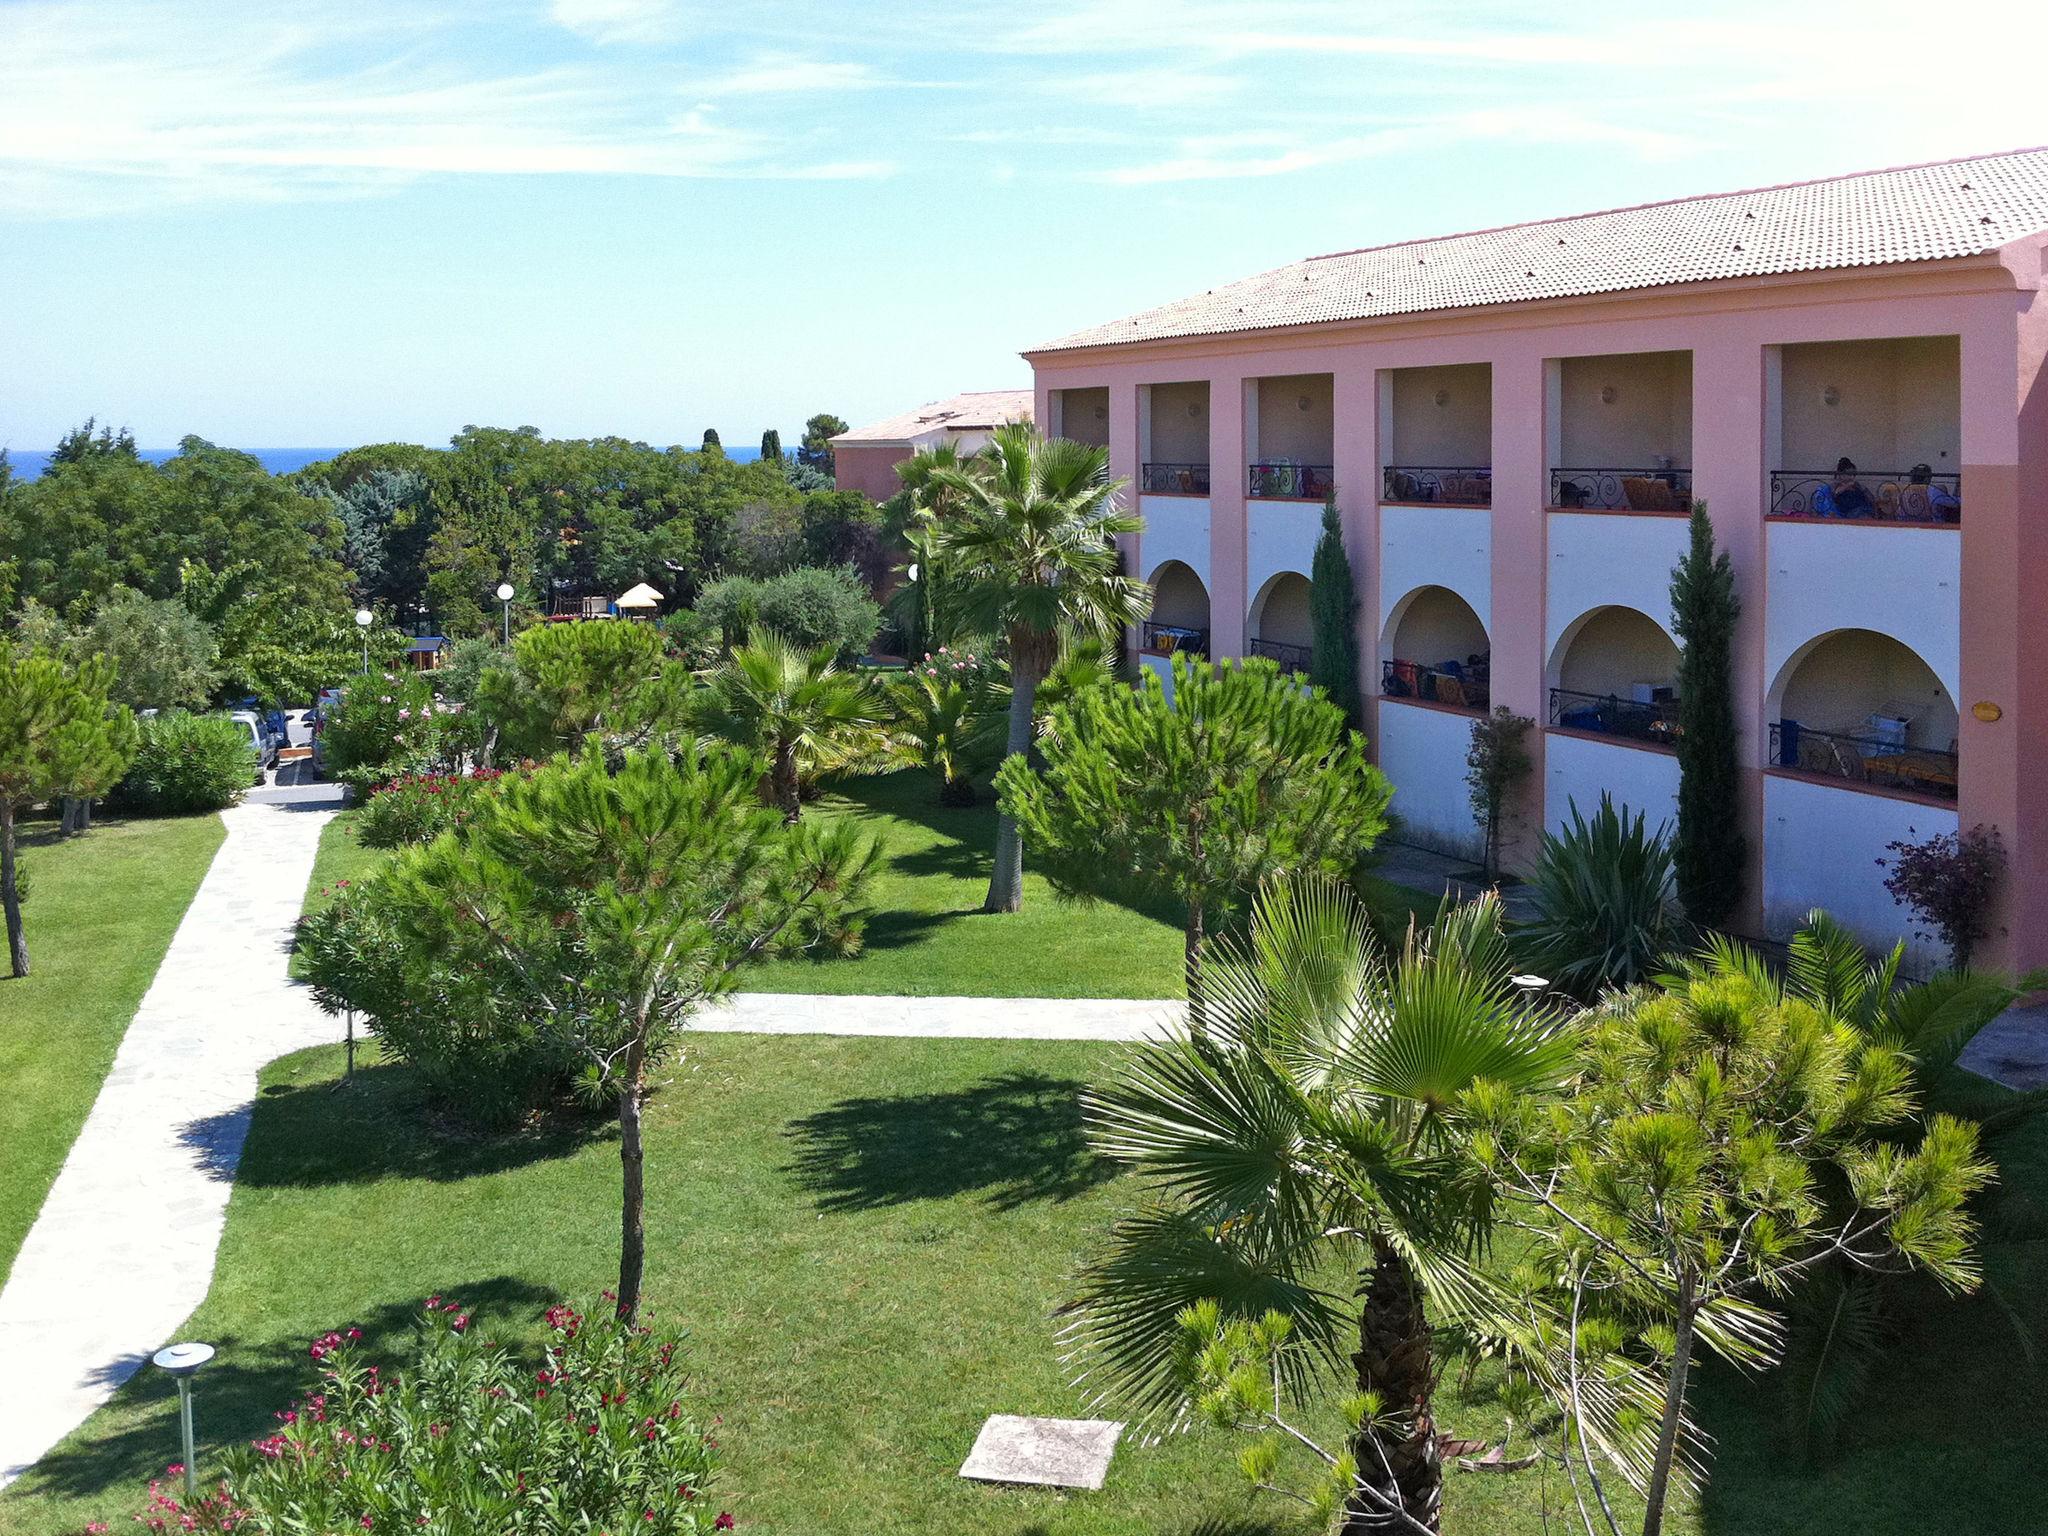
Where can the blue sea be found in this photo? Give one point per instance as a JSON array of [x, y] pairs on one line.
[[279, 461]]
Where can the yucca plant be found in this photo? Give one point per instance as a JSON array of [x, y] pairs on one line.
[[1315, 1128], [1605, 915], [1845, 1317]]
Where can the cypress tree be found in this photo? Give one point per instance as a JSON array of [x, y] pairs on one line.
[[771, 445], [1711, 850], [1333, 617], [711, 441]]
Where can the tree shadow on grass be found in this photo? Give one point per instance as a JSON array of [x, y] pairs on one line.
[[1014, 1138], [236, 1398], [382, 1125]]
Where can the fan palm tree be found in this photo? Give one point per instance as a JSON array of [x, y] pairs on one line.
[[922, 606], [1030, 538], [797, 707], [1316, 1127]]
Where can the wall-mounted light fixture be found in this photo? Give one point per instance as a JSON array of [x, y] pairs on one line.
[[1101, 412], [1831, 396], [1609, 394], [1443, 397], [1301, 402], [1194, 410]]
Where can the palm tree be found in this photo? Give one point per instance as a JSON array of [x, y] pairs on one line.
[[1315, 1128], [795, 706], [922, 606], [1030, 537]]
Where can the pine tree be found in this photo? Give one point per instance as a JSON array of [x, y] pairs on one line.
[[1711, 850], [771, 446], [711, 440], [58, 736], [1333, 617]]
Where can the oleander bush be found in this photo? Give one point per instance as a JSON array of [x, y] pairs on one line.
[[186, 763], [599, 1433], [386, 726], [418, 807]]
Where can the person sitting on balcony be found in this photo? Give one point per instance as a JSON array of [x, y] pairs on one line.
[[1847, 493], [1941, 501]]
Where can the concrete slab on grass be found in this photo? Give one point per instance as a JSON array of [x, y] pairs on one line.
[[1052, 1453]]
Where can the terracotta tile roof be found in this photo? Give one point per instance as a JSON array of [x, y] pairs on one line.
[[976, 410], [1917, 213]]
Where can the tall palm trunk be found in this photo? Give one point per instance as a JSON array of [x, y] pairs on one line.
[[10, 891], [1398, 1457], [783, 782], [632, 1183], [1006, 882]]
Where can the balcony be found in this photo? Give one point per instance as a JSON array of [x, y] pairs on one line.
[[1639, 489], [1174, 479], [1881, 761], [1283, 480], [1454, 684], [1444, 485], [1157, 639], [1651, 720], [1917, 496], [1292, 658]]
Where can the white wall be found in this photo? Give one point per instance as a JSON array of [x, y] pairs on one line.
[[1601, 558], [1285, 430], [1176, 528], [1577, 769], [1281, 537], [1422, 752], [1458, 433], [1179, 424], [1162, 668], [1436, 547], [1902, 582], [1821, 847]]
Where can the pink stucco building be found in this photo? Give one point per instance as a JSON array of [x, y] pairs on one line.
[[864, 459], [1513, 421]]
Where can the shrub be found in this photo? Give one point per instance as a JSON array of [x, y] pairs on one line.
[[1947, 881], [491, 1066], [1496, 766], [810, 607], [186, 763], [1602, 892], [387, 724], [419, 807], [598, 1434]]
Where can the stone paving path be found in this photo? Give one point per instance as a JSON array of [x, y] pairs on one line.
[[123, 1249]]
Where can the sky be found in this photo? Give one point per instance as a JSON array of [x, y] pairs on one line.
[[326, 222]]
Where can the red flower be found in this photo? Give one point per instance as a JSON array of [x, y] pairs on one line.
[[722, 1523]]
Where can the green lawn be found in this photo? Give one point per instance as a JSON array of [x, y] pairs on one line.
[[100, 915], [866, 1239]]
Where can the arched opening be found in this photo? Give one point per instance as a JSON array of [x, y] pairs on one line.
[[1180, 612], [1862, 707], [1435, 649], [1282, 627], [1615, 673]]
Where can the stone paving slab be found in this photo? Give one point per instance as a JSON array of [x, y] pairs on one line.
[[2012, 1049], [1051, 1453], [123, 1249]]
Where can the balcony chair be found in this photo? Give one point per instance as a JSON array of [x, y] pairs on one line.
[[1646, 495]]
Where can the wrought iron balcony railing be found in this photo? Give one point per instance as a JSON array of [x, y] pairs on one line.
[[1607, 714], [1279, 480], [1622, 490], [1874, 760], [1461, 685], [1295, 658], [1891, 496], [1165, 639], [1166, 479], [1453, 485]]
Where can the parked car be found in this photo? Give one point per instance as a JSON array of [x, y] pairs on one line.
[[262, 741]]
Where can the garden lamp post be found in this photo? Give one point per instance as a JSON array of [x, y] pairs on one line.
[[364, 619], [505, 597], [183, 1361]]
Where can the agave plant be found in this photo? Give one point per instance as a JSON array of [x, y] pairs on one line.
[[1603, 895], [1315, 1128], [1845, 1318]]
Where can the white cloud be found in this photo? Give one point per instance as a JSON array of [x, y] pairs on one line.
[[620, 21], [785, 75]]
